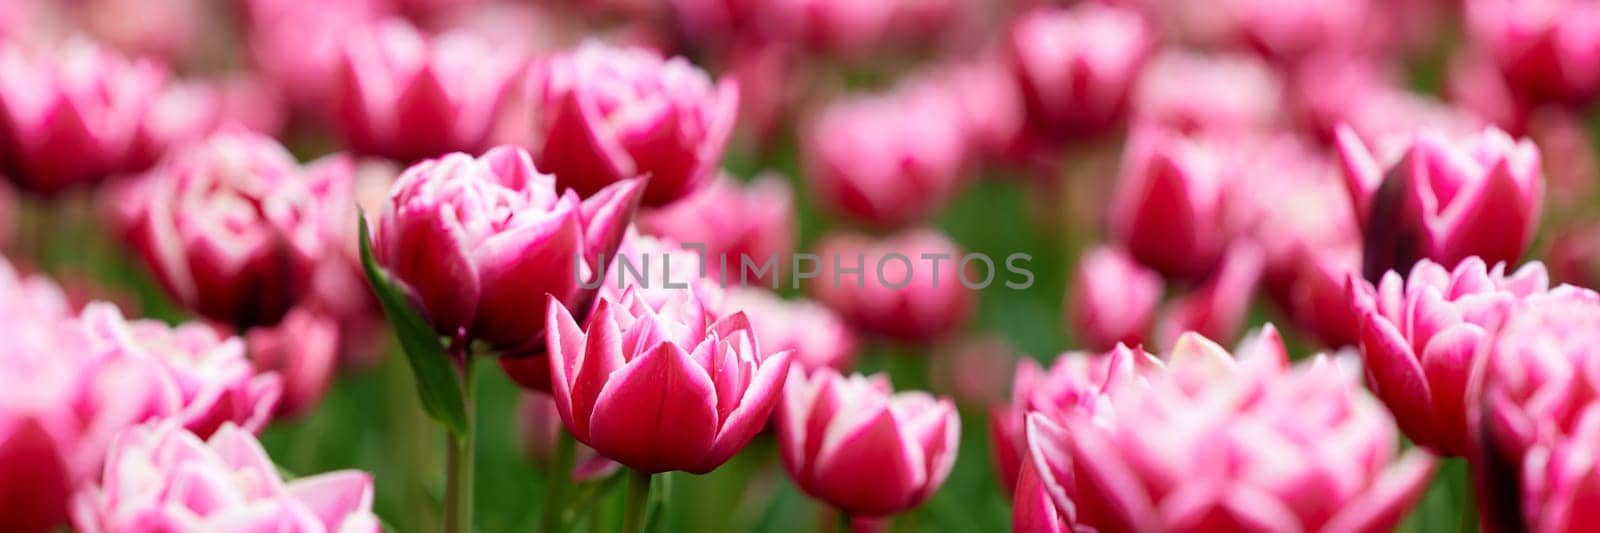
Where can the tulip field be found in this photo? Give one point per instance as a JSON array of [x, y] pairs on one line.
[[482, 266]]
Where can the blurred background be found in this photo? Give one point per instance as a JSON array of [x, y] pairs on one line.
[[1167, 164]]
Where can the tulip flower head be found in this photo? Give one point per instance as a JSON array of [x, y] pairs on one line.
[[664, 387], [818, 337], [734, 223], [1077, 66], [408, 97], [608, 114], [160, 477], [1538, 416], [1420, 335], [918, 300], [1213, 443], [888, 160], [1113, 299], [1547, 50], [231, 226], [478, 242], [855, 444], [71, 119], [1443, 200], [1169, 203]]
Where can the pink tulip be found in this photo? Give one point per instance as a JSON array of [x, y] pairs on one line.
[[732, 224], [1443, 200], [1226, 95], [304, 350], [230, 226], [164, 29], [1314, 297], [162, 478], [1216, 308], [299, 45], [1420, 334], [1077, 66], [1113, 299], [887, 160], [46, 445], [406, 96], [919, 300], [70, 118], [673, 387], [1211, 443], [816, 335], [339, 285], [607, 114], [206, 381], [1548, 51], [1538, 417], [1076, 382], [1169, 203], [856, 445], [478, 243]]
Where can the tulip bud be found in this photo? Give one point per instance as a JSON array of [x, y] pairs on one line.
[[1536, 417], [161, 477], [1077, 66], [886, 160], [856, 445], [609, 114], [304, 350], [408, 97], [1420, 334], [733, 224], [908, 287], [1075, 382], [1168, 205], [230, 226], [71, 119], [817, 336], [1443, 200], [1213, 443], [1113, 299], [1546, 52], [478, 243], [674, 387]]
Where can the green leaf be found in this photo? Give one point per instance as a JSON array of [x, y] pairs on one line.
[[430, 365]]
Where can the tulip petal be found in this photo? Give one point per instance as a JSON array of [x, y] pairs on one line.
[[602, 357], [1386, 501], [1396, 375], [37, 485], [867, 466], [523, 263], [333, 496], [759, 399], [656, 414], [1447, 363]]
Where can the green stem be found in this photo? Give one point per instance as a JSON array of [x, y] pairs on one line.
[[844, 522], [637, 503], [459, 459], [555, 491]]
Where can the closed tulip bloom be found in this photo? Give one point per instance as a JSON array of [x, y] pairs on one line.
[[1443, 200], [1420, 334], [161, 478], [733, 223], [1539, 416], [816, 335], [406, 96], [918, 300], [298, 46], [1213, 443], [1113, 299], [303, 349], [478, 243], [1169, 203], [1077, 66], [674, 387], [70, 119], [608, 114], [887, 160], [855, 444], [230, 226], [1547, 51], [1075, 382]]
